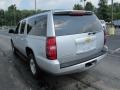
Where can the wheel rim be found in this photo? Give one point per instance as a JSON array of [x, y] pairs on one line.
[[32, 66]]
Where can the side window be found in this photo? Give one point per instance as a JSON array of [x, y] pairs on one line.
[[37, 26], [29, 27], [22, 28], [17, 29]]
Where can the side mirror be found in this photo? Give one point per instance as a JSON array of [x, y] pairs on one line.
[[11, 31]]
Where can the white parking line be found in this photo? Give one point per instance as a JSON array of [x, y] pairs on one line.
[[118, 49], [114, 51]]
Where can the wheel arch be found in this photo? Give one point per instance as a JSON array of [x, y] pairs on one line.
[[29, 51]]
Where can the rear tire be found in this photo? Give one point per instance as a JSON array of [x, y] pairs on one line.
[[33, 66]]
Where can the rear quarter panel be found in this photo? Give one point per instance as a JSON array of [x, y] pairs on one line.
[[37, 44]]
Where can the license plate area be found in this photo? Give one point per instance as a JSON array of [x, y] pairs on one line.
[[91, 63]]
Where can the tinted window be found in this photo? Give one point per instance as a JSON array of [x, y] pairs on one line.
[[68, 25], [29, 27], [22, 28], [17, 29], [37, 26]]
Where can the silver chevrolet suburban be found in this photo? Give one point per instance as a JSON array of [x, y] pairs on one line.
[[60, 42]]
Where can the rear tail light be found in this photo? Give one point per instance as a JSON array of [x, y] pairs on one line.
[[105, 37], [51, 48]]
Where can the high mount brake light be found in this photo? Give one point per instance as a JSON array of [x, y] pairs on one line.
[[77, 14], [73, 13]]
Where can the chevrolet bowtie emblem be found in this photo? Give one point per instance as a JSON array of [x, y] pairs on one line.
[[88, 39]]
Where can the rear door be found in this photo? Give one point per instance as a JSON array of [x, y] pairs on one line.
[[22, 38], [36, 38], [16, 36], [77, 36]]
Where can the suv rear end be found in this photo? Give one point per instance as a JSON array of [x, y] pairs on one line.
[[75, 42]]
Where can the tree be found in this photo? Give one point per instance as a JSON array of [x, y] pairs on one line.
[[116, 11], [103, 10], [78, 7], [11, 15], [103, 2], [1, 17], [116, 7], [89, 6]]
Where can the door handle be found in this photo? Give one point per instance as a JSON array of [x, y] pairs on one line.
[[91, 33]]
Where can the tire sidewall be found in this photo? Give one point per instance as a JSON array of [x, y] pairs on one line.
[[36, 74]]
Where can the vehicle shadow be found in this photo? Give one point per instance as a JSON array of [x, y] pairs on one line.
[[47, 81]]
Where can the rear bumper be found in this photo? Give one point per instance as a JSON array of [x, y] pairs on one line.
[[54, 67]]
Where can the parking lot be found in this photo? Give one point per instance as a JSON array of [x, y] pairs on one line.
[[15, 75]]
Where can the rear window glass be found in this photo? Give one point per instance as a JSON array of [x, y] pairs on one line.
[[37, 26], [22, 27], [68, 25]]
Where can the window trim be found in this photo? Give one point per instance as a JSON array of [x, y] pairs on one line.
[[46, 17], [21, 26]]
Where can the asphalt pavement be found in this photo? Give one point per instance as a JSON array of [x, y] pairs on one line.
[[15, 74]]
